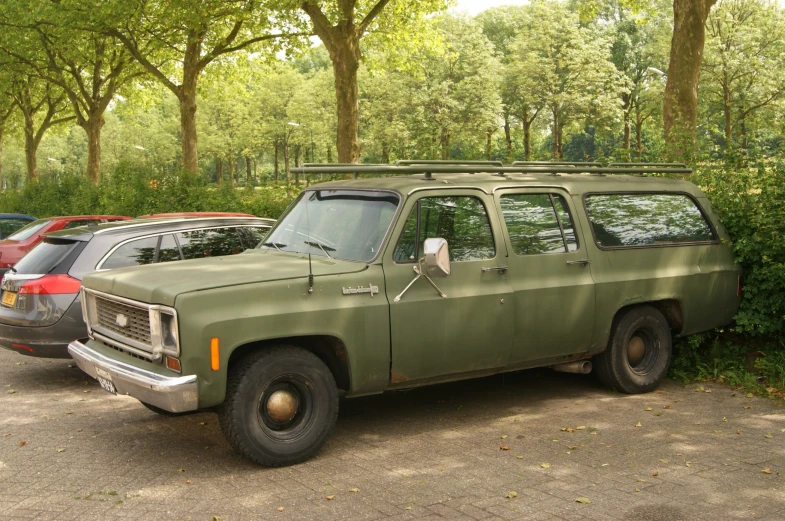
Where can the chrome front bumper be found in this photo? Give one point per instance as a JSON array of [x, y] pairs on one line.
[[174, 394]]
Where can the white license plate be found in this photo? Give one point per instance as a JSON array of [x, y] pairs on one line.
[[105, 380]]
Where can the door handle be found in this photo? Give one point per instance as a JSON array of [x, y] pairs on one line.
[[500, 269], [582, 262]]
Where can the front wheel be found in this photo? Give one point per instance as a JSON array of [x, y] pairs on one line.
[[638, 353], [281, 405]]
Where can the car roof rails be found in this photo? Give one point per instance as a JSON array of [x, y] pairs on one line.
[[462, 168]]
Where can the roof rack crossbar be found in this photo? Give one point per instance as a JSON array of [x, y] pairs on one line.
[[412, 162], [478, 169], [649, 165], [556, 163]]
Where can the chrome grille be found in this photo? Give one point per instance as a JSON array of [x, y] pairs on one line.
[[138, 328]]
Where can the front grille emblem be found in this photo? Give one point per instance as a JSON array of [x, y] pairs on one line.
[[121, 320]]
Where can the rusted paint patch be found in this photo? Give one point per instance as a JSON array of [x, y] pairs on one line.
[[397, 377]]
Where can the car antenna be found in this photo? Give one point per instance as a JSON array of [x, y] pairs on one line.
[[310, 266]]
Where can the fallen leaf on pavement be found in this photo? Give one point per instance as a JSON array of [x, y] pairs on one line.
[[60, 450], [768, 436], [511, 494], [748, 406], [329, 498], [580, 427], [279, 509], [355, 490], [504, 447], [749, 395], [638, 424], [724, 419], [637, 489], [648, 409], [667, 407], [664, 461], [546, 465], [519, 457], [738, 432], [767, 470], [583, 500], [655, 473], [22, 443]]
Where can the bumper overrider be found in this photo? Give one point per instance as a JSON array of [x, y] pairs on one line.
[[174, 394]]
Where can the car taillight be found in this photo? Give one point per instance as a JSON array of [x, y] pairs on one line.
[[740, 290], [51, 285]]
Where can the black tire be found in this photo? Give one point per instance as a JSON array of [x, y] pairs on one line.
[[253, 430], [639, 351], [164, 412]]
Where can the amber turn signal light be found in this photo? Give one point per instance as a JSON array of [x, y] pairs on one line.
[[215, 354], [173, 364]]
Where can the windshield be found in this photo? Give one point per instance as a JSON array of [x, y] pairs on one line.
[[28, 231], [344, 224]]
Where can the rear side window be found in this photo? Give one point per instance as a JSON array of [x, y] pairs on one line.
[[623, 220], [45, 257], [168, 250], [251, 236], [210, 243], [134, 253], [29, 230], [538, 223], [9, 226]]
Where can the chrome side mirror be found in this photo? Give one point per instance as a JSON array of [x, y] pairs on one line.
[[437, 257]]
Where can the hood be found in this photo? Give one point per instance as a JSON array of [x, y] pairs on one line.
[[161, 283]]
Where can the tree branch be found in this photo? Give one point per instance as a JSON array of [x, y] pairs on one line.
[[372, 14], [147, 64]]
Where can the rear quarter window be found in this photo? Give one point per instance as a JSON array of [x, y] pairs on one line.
[[646, 219]]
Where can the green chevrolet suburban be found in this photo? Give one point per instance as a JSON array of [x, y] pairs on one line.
[[450, 272]]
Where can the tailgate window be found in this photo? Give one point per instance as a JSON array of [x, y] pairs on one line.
[[46, 257]]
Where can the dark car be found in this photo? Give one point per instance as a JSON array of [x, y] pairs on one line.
[[40, 308], [10, 222], [16, 245]]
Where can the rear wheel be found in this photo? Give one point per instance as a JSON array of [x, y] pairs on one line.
[[639, 351], [281, 405]]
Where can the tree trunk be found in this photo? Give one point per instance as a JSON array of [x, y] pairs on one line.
[[2, 132], [444, 142], [186, 93], [31, 147], [507, 138], [275, 163], [329, 154], [230, 160], [219, 171], [93, 128], [726, 111], [297, 150], [248, 178], [638, 132], [346, 61], [286, 161], [680, 107], [255, 172], [556, 132], [527, 139]]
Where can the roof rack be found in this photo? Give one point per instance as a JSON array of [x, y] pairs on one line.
[[412, 162], [556, 163], [648, 165], [461, 168]]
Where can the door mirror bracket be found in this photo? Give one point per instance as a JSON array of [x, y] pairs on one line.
[[436, 262]]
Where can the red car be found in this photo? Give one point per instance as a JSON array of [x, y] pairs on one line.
[[21, 241]]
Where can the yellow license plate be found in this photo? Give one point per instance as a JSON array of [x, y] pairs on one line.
[[9, 298]]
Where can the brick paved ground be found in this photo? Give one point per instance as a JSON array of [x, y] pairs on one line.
[[426, 454]]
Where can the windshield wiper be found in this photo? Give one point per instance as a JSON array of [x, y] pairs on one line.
[[323, 247], [275, 245]]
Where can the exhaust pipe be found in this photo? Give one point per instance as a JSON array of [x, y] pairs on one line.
[[580, 367]]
